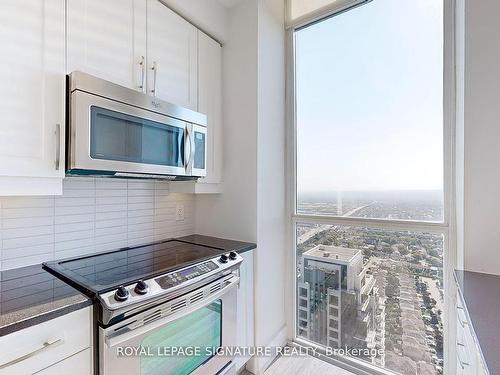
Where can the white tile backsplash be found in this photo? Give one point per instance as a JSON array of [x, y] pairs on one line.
[[92, 215]]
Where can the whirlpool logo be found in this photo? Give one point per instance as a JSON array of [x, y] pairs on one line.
[[156, 104]]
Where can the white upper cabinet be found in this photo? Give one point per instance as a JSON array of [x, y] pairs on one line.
[[140, 44], [172, 56], [108, 40], [210, 102], [31, 96]]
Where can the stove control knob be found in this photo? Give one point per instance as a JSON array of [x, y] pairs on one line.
[[223, 258], [141, 287], [121, 294], [233, 255]]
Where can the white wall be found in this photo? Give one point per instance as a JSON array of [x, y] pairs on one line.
[[233, 214], [92, 215], [270, 263], [482, 137], [252, 205]]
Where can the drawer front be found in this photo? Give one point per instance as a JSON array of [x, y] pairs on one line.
[[38, 347], [469, 359], [78, 364], [464, 352]]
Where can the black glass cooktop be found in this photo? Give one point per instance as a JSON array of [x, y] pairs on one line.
[[99, 273]]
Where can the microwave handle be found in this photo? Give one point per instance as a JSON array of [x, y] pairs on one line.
[[143, 329], [190, 153]]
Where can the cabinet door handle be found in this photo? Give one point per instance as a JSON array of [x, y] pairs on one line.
[[462, 322], [462, 363], [47, 344], [142, 63], [58, 146], [154, 68]]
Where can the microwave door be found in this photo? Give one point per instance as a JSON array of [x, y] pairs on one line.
[[109, 136]]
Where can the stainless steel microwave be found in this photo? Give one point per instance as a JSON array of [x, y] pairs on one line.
[[119, 132]]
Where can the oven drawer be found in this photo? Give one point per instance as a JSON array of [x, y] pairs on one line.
[[35, 348]]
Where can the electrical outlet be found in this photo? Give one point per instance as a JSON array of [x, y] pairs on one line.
[[179, 212]]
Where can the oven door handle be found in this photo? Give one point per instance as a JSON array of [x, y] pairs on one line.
[[143, 329]]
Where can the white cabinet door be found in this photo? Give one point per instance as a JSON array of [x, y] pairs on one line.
[[32, 89], [210, 102], [108, 40], [245, 308], [78, 364], [172, 56], [40, 346]]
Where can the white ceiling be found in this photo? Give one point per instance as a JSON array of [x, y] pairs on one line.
[[229, 3]]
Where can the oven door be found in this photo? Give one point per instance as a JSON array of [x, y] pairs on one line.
[[196, 323], [109, 136]]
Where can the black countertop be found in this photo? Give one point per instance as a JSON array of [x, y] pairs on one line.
[[30, 295], [481, 293], [220, 243]]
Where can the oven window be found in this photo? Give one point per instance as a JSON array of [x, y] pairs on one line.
[[201, 329], [199, 147], [121, 137]]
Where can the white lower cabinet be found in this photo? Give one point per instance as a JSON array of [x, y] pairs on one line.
[[245, 308], [38, 348], [78, 364], [469, 358]]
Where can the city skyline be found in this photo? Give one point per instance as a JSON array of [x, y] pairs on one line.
[[407, 296]]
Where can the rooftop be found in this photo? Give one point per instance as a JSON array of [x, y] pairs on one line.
[[332, 254]]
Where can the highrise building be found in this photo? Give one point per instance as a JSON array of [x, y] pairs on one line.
[[337, 298]]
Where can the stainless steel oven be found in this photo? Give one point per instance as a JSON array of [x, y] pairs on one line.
[[120, 132], [153, 300], [179, 337]]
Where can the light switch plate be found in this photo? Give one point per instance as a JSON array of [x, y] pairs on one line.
[[179, 212]]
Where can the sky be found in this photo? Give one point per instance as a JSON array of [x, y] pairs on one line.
[[369, 99]]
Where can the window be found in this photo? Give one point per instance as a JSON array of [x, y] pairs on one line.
[[369, 94], [369, 218], [399, 306]]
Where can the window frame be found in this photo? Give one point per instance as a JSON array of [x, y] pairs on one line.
[[447, 227]]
